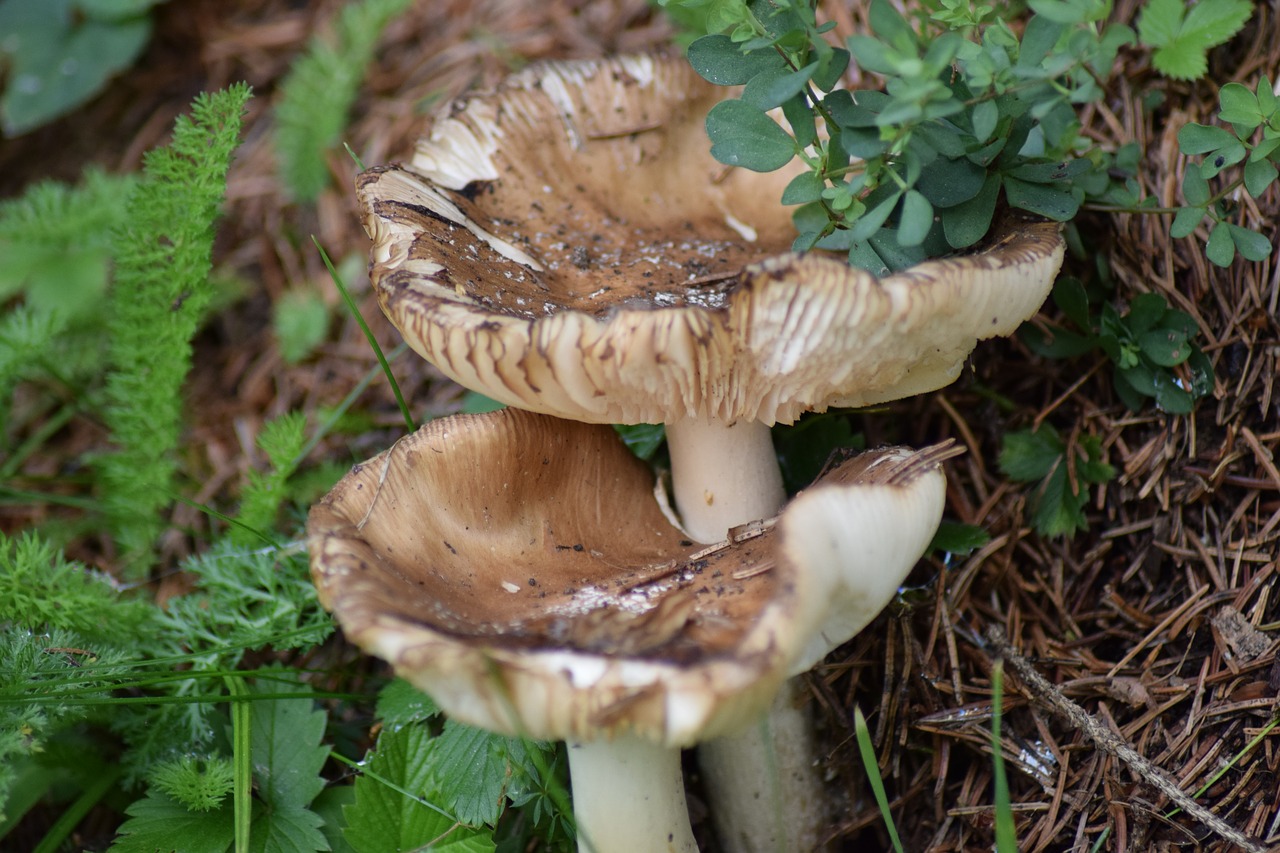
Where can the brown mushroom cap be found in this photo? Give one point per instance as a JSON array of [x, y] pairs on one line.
[[567, 245], [519, 569]]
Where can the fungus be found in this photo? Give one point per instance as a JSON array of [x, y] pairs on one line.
[[520, 570], [566, 244]]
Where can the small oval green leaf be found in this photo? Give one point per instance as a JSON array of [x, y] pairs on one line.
[[742, 135]]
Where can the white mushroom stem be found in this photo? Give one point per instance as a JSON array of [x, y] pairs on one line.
[[723, 475], [764, 790], [763, 782], [628, 797]]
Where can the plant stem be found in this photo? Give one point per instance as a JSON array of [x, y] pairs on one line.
[[628, 797], [723, 475]]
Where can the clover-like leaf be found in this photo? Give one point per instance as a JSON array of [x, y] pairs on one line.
[[1202, 138], [1239, 106], [916, 219], [1220, 249], [1186, 220], [1258, 175], [1165, 347], [1250, 244], [719, 60], [742, 135]]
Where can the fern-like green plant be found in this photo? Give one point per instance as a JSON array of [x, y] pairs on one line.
[[163, 256], [55, 239], [318, 93], [282, 440]]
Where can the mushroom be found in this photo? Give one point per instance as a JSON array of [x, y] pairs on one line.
[[521, 570], [566, 244]]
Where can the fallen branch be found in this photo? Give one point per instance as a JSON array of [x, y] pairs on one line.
[[1111, 743]]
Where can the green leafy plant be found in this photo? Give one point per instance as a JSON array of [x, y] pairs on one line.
[[318, 93], [200, 784], [1252, 137], [1150, 347], [57, 54], [1183, 34], [163, 257], [970, 113], [1062, 473], [282, 440]]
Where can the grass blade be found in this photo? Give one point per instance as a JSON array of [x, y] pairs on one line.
[[868, 753]]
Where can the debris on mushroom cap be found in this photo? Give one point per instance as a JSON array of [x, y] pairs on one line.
[[610, 271], [517, 568]]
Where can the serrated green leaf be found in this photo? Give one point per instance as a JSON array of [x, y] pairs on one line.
[[400, 702], [1159, 21], [958, 539], [1055, 511], [157, 823], [286, 745], [742, 135], [384, 820], [1183, 38], [643, 440], [329, 806], [469, 771], [286, 830], [1027, 455]]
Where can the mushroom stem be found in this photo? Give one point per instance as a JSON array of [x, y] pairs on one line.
[[764, 786], [723, 475], [764, 790], [628, 797]]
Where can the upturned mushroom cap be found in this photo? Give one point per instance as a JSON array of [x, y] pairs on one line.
[[520, 569], [567, 245]]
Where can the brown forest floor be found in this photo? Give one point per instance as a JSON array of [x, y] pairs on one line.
[[1161, 621]]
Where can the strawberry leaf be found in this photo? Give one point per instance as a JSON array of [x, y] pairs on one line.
[[1183, 37]]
